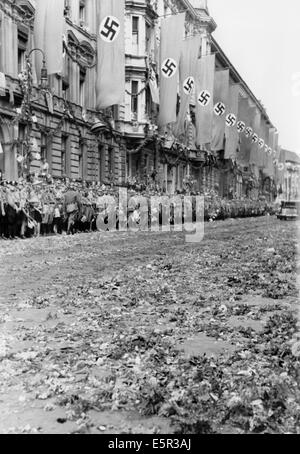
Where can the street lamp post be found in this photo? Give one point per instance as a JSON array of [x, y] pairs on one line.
[[44, 71]]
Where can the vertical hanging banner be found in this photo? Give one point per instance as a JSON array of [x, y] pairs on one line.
[[262, 143], [221, 95], [266, 148], [8, 46], [110, 84], [171, 40], [231, 132], [153, 86], [187, 75], [204, 99], [269, 153], [255, 154], [276, 158], [48, 34], [245, 128]]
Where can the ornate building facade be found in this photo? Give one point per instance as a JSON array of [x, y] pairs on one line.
[[146, 155], [119, 144], [59, 126]]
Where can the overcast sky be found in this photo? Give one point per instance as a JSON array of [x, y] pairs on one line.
[[262, 40]]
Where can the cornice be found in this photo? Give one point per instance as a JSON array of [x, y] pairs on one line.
[[81, 30], [200, 15]]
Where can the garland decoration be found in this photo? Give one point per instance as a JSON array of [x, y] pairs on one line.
[[140, 92]]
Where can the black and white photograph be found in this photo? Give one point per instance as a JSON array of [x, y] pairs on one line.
[[149, 220]]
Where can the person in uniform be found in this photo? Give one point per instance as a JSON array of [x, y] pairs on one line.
[[11, 212], [22, 215], [72, 207], [3, 230]]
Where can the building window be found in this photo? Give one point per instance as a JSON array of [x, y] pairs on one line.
[[82, 11], [22, 131], [67, 10], [148, 38], [43, 146], [80, 160], [64, 149], [135, 33], [128, 166], [101, 163], [137, 166], [22, 134], [148, 104], [134, 99], [111, 158], [21, 60], [82, 88], [22, 47]]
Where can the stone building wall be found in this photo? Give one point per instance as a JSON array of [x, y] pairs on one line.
[[120, 148], [90, 156]]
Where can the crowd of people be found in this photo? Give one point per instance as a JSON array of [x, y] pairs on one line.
[[29, 208], [44, 206]]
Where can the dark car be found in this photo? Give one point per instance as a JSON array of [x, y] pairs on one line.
[[289, 210]]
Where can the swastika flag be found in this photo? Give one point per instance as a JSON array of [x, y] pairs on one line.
[[169, 68], [231, 132], [246, 115], [221, 94], [110, 85], [188, 85], [109, 29], [264, 134], [269, 168], [256, 155], [187, 75], [204, 105], [170, 51]]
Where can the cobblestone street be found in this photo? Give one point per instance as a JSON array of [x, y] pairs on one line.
[[143, 333]]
